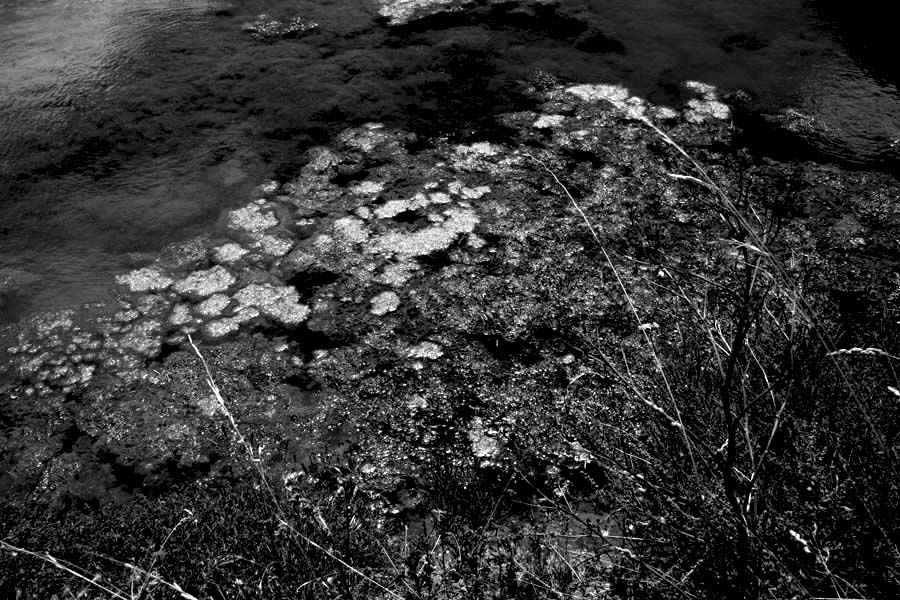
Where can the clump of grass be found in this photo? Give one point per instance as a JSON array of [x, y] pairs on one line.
[[764, 460]]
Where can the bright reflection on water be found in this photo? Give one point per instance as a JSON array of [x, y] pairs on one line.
[[127, 124]]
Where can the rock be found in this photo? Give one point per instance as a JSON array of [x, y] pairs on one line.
[[384, 303], [148, 279], [428, 350], [484, 445], [180, 315], [367, 188], [614, 94], [707, 106], [431, 239], [398, 12], [251, 219], [268, 29], [549, 121], [184, 256], [213, 306], [280, 303], [351, 229], [272, 245], [397, 274], [229, 253], [206, 283], [144, 339]]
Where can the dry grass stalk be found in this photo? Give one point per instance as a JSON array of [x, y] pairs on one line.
[[257, 463]]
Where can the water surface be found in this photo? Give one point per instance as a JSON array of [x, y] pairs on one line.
[[129, 124]]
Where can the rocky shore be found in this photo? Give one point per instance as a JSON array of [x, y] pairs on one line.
[[381, 265], [404, 303]]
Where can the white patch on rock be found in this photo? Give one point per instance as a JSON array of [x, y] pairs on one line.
[[206, 283], [213, 306], [476, 242], [398, 12], [351, 229], [417, 402], [384, 303], [148, 279], [272, 245], [428, 350], [180, 315], [321, 159], [475, 193], [597, 92], [431, 239], [269, 187], [548, 121], [397, 274], [209, 405], [280, 303], [143, 339], [479, 149], [221, 327], [484, 445], [367, 188], [702, 110], [706, 90], [707, 106], [229, 253], [252, 219], [664, 113]]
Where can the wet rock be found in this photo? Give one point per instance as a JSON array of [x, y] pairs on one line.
[[549, 121], [430, 239], [184, 256], [148, 279], [206, 283], [351, 229], [384, 303], [271, 245], [614, 94], [398, 12], [229, 253], [222, 327], [269, 29], [144, 339], [484, 444], [397, 274], [369, 189], [181, 315], [252, 219], [428, 350], [321, 159], [707, 106], [376, 140], [280, 303], [213, 306]]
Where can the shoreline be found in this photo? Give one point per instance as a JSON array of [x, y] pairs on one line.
[[397, 307]]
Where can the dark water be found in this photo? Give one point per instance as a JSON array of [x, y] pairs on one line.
[[127, 124]]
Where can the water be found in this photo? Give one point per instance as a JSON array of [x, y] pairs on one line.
[[127, 124]]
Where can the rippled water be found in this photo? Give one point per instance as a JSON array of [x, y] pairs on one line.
[[127, 124]]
